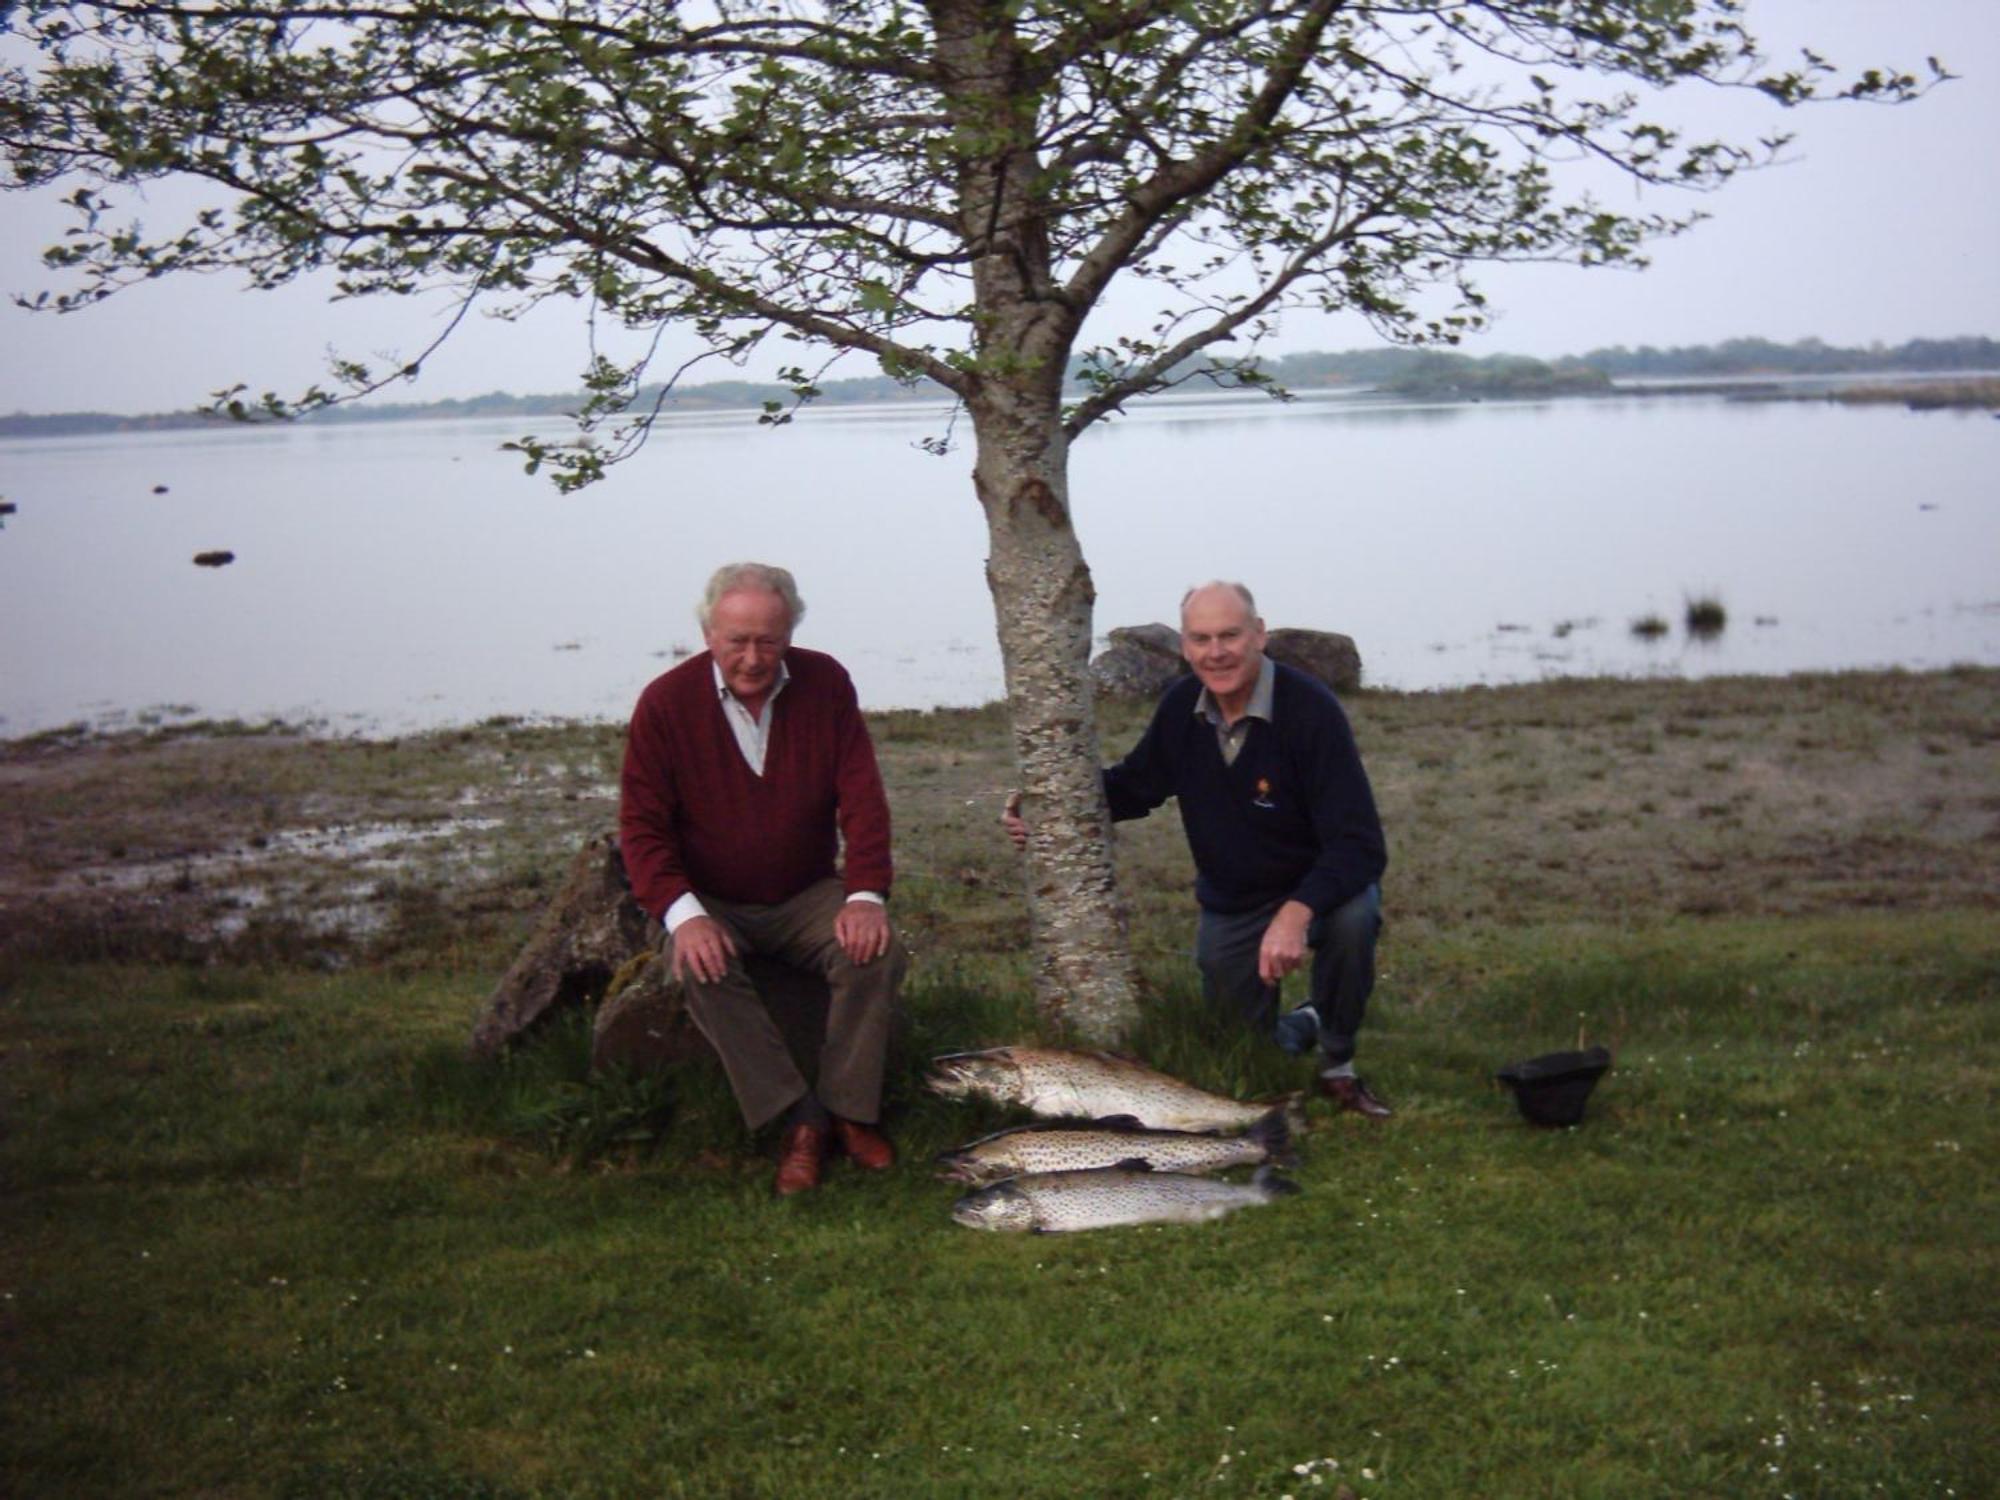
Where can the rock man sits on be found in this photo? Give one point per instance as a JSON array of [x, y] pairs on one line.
[[1280, 818], [746, 767]]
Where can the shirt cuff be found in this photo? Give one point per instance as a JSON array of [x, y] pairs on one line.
[[688, 906], [875, 896]]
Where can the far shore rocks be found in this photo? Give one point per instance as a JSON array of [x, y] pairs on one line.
[[218, 559], [1141, 660]]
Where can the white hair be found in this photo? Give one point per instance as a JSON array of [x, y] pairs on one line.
[[1249, 603], [757, 577]]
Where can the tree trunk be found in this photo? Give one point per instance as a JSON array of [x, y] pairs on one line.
[[1086, 983]]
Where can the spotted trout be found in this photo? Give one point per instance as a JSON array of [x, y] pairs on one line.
[[1064, 1148], [1108, 1197], [1063, 1085]]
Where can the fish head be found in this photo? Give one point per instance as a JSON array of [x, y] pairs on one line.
[[1002, 1207], [960, 1075]]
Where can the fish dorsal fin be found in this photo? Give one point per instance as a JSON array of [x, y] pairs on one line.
[[1043, 1127], [945, 1057], [1119, 1122], [974, 1145], [1125, 1059], [1132, 1164]]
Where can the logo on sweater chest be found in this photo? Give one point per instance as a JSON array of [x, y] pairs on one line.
[[1263, 797]]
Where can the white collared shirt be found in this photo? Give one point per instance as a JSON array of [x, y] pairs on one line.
[[752, 731]]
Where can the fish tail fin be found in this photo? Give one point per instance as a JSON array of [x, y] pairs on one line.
[[1274, 1134], [1266, 1180]]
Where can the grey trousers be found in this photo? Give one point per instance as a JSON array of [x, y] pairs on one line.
[[734, 1018], [1342, 976]]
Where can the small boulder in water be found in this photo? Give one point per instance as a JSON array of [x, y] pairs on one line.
[[214, 559]]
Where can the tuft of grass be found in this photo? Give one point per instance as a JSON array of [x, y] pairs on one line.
[[1969, 393], [1705, 617]]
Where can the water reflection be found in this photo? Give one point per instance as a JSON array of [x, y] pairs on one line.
[[406, 574]]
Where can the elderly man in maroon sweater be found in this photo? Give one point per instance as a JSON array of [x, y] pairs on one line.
[[741, 767]]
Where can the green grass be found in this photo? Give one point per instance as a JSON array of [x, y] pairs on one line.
[[267, 1233]]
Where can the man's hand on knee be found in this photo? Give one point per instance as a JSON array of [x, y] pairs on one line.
[[1284, 945], [703, 948], [862, 930]]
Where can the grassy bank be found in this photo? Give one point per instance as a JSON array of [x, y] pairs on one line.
[[267, 1233], [1972, 393]]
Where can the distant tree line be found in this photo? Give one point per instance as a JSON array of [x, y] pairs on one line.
[[1807, 357], [1390, 370]]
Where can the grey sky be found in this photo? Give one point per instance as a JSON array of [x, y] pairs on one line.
[[1885, 227]]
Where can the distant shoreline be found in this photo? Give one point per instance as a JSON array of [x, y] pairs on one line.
[[129, 727], [1965, 372]]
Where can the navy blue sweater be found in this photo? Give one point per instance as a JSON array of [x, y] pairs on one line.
[[1293, 818]]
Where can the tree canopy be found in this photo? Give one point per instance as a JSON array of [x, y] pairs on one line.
[[953, 188], [838, 173]]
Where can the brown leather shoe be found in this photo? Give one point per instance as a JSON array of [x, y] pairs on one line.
[[866, 1146], [799, 1158], [1351, 1093]]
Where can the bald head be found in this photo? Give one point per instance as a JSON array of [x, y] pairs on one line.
[[1219, 587]]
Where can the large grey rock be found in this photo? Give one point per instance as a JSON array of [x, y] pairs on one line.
[[591, 930], [1140, 661], [1143, 660], [1332, 658], [1163, 640], [642, 1026], [595, 947]]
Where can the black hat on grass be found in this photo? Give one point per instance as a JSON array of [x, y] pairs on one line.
[[1551, 1089]]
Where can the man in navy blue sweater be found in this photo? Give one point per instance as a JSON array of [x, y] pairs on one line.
[[1288, 850]]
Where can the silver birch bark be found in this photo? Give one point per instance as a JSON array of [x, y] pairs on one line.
[[1042, 599], [1086, 983]]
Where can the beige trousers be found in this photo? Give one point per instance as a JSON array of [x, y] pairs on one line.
[[737, 1023]]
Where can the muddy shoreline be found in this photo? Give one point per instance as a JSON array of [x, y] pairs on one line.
[[1588, 800]]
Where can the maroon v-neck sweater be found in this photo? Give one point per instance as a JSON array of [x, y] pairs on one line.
[[693, 815]]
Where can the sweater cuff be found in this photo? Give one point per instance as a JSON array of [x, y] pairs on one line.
[[876, 896]]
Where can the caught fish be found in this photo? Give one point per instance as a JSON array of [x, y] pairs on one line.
[[1061, 1148], [1107, 1197], [1088, 1086]]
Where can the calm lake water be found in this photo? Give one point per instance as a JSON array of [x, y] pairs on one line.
[[404, 575]]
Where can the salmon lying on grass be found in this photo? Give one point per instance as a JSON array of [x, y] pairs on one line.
[[1057, 1084], [1109, 1197], [1079, 1148]]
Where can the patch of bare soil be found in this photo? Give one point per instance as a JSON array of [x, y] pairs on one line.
[[199, 841], [1597, 800]]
